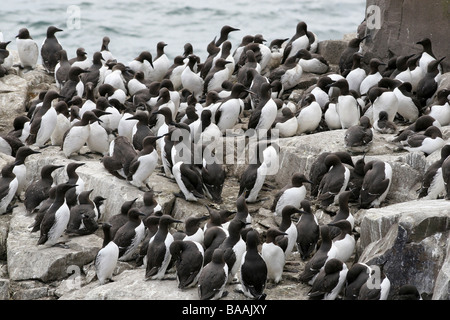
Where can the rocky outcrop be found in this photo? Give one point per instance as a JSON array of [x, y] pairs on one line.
[[411, 240], [411, 236], [398, 25]]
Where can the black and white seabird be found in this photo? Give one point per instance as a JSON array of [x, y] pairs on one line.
[[73, 86], [376, 183], [234, 247], [83, 216], [8, 187], [158, 252], [76, 137], [189, 180], [43, 121], [369, 291], [253, 273], [139, 63], [347, 106], [189, 257], [38, 190], [130, 235], [357, 74], [121, 153], [309, 115], [330, 281], [273, 255], [151, 224], [214, 235], [192, 230], [427, 142], [320, 257], [74, 178], [56, 218], [62, 69], [144, 163], [433, 180], [149, 204], [372, 77], [346, 58], [357, 275], [106, 259], [20, 169], [191, 80], [342, 214], [308, 231], [319, 169], [427, 87], [333, 182], [27, 48], [227, 114], [213, 277], [36, 225], [289, 227], [118, 220], [344, 243], [50, 48], [384, 125], [62, 123], [292, 193], [141, 129], [359, 138]]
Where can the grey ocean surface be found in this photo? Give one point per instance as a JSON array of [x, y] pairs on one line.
[[134, 26]]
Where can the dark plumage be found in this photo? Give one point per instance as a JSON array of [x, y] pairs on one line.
[[158, 253], [319, 169], [308, 231], [50, 49], [253, 268], [213, 278], [38, 190], [188, 256]]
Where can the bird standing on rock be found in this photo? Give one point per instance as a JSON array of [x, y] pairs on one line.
[[76, 137], [189, 258], [44, 121], [359, 138], [213, 278], [8, 187], [56, 218], [50, 49], [253, 274], [27, 48], [308, 231], [130, 235], [38, 190], [376, 183], [273, 255], [106, 258], [158, 252], [291, 194], [333, 182]]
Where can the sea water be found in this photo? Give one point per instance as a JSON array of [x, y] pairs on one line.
[[134, 26]]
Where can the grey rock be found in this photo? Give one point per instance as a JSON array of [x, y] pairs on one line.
[[411, 240], [13, 97], [397, 27]]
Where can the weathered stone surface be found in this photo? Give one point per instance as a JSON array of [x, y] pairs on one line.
[[398, 25], [27, 260], [411, 240], [331, 50], [442, 285], [4, 289], [13, 97]]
